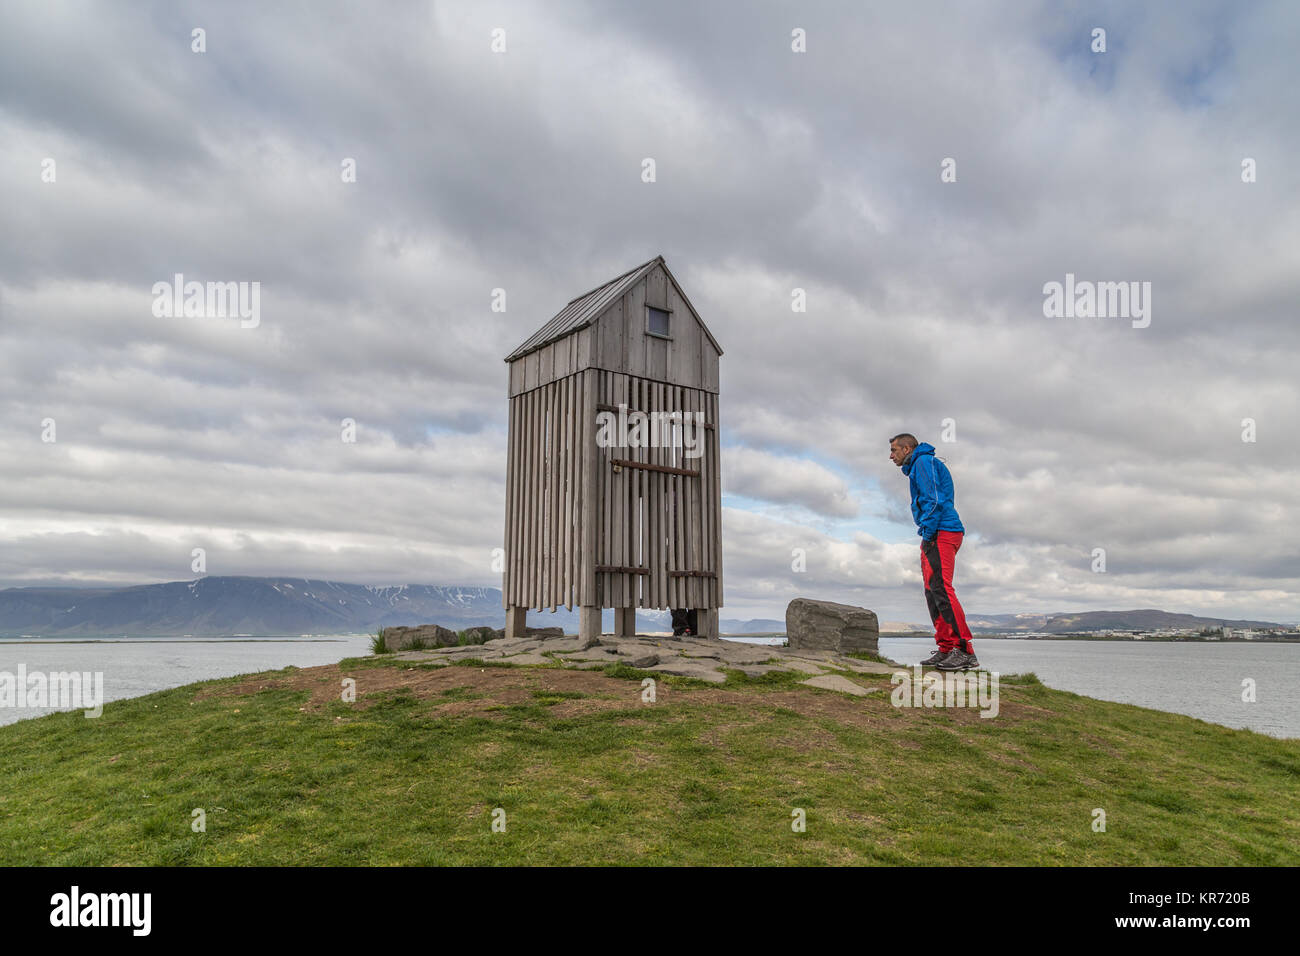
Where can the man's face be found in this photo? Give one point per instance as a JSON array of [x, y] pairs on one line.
[[898, 452]]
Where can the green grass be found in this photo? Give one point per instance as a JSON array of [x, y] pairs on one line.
[[708, 774], [869, 656]]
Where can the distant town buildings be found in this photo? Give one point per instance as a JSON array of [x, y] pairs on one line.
[[1220, 633], [1212, 633]]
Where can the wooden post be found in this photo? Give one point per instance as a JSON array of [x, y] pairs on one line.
[[624, 622], [706, 622], [515, 619], [588, 625]]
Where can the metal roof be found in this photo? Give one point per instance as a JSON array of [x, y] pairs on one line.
[[588, 307]]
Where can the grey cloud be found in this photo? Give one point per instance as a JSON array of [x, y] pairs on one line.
[[776, 170]]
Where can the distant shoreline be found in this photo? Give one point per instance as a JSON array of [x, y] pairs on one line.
[[174, 639], [765, 635], [1162, 639]]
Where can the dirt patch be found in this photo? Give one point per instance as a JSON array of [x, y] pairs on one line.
[[1097, 743], [864, 818], [575, 708], [812, 740], [642, 759], [1010, 761], [716, 735]]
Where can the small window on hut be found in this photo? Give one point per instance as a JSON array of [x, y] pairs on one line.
[[657, 322]]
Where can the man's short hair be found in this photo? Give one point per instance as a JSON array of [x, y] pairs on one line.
[[907, 439]]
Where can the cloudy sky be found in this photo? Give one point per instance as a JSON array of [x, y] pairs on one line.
[[127, 157]]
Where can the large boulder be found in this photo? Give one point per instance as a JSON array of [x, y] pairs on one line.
[[827, 626], [479, 635], [544, 633], [425, 635], [530, 633]]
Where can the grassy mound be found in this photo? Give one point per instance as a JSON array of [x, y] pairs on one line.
[[583, 771]]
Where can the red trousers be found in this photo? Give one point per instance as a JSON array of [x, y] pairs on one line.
[[937, 561]]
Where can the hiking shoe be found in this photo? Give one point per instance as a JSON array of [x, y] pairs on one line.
[[935, 658], [957, 660]]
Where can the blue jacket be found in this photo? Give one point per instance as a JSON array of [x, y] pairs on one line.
[[932, 496]]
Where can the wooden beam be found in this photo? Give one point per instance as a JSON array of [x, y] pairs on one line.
[[646, 466]]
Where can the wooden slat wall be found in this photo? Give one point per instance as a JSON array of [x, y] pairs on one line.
[[507, 538], [694, 506], [544, 495], [677, 505], [590, 462], [622, 511], [535, 477], [568, 512], [605, 499]]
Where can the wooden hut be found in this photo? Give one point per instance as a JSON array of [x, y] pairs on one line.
[[600, 511]]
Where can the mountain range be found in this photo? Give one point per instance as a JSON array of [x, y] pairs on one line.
[[221, 606]]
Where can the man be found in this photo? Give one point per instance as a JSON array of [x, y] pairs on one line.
[[941, 534]]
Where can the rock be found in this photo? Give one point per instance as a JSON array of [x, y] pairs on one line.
[[424, 657], [640, 653], [566, 645], [826, 626], [683, 668], [693, 655], [794, 664], [516, 645], [528, 657], [544, 633], [479, 635], [756, 670], [604, 654], [837, 682], [868, 667], [635, 648], [735, 653], [468, 652], [530, 633], [816, 656], [415, 638]]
